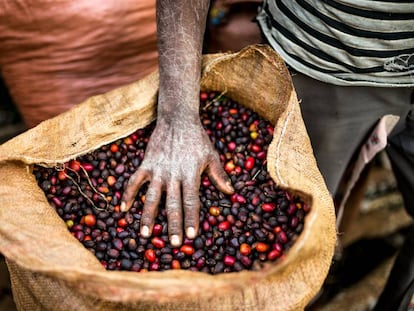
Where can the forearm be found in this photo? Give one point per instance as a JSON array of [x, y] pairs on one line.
[[180, 28]]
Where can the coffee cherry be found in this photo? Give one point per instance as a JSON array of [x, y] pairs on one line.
[[257, 224]]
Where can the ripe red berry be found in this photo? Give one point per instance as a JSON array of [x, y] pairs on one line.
[[150, 255], [187, 249], [90, 220], [203, 96], [262, 247], [268, 207], [245, 249], [158, 242], [249, 164]]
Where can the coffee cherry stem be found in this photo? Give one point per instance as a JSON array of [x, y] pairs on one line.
[[63, 169]]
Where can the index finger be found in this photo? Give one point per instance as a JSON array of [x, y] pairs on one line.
[[135, 182]]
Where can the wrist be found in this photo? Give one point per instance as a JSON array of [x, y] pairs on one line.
[[179, 103], [177, 115]]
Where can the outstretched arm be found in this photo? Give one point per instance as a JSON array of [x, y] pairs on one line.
[[179, 150]]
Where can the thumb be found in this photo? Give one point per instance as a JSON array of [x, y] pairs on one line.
[[219, 177]]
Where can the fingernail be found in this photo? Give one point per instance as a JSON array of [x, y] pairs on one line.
[[190, 233], [229, 185], [175, 240], [123, 207], [145, 231]]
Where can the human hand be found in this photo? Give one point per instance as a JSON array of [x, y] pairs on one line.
[[179, 150], [177, 154]]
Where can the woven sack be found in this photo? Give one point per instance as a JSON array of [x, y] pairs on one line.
[[55, 54], [51, 270]]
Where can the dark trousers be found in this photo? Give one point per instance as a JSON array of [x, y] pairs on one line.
[[338, 120], [399, 288]]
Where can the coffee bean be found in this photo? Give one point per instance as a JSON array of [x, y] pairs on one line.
[[258, 223]]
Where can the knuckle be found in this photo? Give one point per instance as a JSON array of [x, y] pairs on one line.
[[174, 227], [213, 157], [132, 179], [173, 215], [190, 219], [151, 196], [191, 200], [173, 205], [146, 218]]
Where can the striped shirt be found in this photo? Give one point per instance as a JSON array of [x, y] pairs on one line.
[[344, 42]]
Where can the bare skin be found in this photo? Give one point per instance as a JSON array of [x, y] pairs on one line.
[[179, 150]]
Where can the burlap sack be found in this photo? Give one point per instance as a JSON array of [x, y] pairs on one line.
[[51, 270], [55, 54]]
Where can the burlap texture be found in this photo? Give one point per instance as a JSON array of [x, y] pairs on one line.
[[55, 54], [51, 270]]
